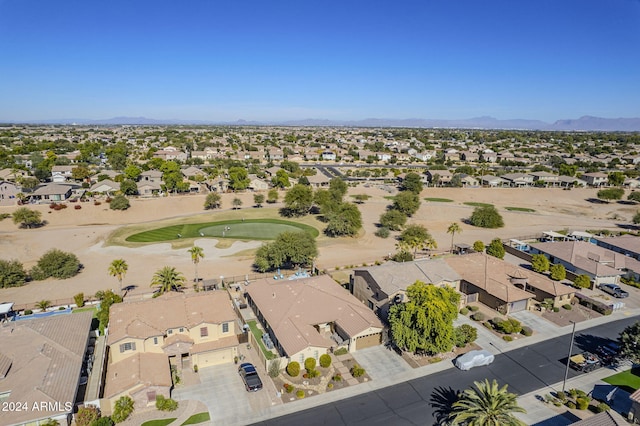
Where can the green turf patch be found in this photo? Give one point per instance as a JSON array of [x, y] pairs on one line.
[[197, 418], [389, 197], [475, 204], [519, 209], [627, 380], [250, 229], [258, 335], [439, 200], [90, 308], [159, 422]]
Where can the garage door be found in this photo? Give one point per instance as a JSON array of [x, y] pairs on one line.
[[207, 359], [368, 341], [518, 306]]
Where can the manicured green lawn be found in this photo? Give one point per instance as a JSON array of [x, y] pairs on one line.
[[159, 422], [475, 204], [88, 308], [519, 209], [439, 200], [258, 334], [250, 229], [627, 380], [197, 418]]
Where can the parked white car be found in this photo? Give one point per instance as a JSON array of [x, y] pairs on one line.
[[474, 359]]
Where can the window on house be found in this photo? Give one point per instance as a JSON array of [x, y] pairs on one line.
[[170, 331], [181, 329], [225, 327], [155, 340], [204, 332], [129, 346]]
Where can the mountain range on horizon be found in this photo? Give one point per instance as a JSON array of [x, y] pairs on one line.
[[584, 123]]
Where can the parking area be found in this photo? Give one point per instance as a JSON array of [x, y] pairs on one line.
[[221, 388]]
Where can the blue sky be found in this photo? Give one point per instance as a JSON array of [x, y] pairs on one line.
[[278, 60]]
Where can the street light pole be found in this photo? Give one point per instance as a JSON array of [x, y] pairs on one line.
[[566, 371]]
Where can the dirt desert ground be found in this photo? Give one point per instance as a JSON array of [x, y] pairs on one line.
[[85, 231]]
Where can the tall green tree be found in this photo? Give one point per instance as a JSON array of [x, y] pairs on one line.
[[167, 279], [289, 249], [238, 178], [634, 196], [539, 263], [118, 269], [27, 218], [345, 219], [407, 202], [630, 342], [197, 253], [57, 264], [272, 196], [281, 179], [412, 182], [616, 178], [338, 189], [12, 273], [393, 219], [496, 249], [558, 272], [212, 201], [298, 200], [486, 405], [258, 199], [453, 229], [416, 237], [610, 194], [425, 322]]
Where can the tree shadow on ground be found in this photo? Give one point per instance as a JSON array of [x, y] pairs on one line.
[[589, 342], [442, 400], [596, 201]]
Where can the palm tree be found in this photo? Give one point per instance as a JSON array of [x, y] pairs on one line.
[[489, 405], [44, 305], [167, 279], [118, 269], [452, 229], [197, 253]]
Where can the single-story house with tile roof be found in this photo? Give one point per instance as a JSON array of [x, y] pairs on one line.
[[318, 180], [8, 193], [505, 287], [106, 186], [51, 192], [181, 329], [307, 317], [628, 244], [379, 287], [580, 257], [41, 363], [148, 188]]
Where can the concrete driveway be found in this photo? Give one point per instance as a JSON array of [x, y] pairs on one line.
[[223, 391]]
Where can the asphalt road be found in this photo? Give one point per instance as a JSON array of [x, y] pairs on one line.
[[417, 401]]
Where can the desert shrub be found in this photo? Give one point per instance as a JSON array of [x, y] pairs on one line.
[[582, 403], [12, 273], [77, 207], [464, 334], [57, 264], [486, 217], [310, 364], [382, 232], [509, 326], [274, 368], [293, 369], [330, 386], [573, 393], [28, 311], [288, 388], [478, 316], [507, 338], [464, 311], [341, 351], [312, 373], [87, 415], [108, 200], [527, 331], [487, 324], [103, 421], [580, 393], [435, 360], [556, 309], [357, 371], [567, 306], [79, 300], [603, 406], [166, 404], [325, 360], [96, 203], [473, 308], [561, 396], [119, 202], [300, 394], [571, 405], [61, 308]]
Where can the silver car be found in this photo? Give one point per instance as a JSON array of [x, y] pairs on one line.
[[474, 359]]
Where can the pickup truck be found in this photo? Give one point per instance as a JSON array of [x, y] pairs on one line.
[[250, 377], [614, 290], [585, 362]]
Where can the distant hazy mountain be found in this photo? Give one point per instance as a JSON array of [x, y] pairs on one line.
[[585, 123]]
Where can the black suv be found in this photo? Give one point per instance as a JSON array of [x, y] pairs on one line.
[[250, 377]]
